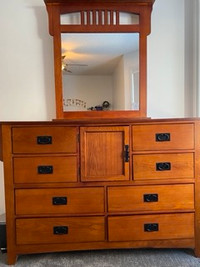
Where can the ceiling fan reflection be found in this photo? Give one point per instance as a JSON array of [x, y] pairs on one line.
[[66, 66]]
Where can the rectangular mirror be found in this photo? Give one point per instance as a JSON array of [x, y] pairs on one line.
[[100, 71]]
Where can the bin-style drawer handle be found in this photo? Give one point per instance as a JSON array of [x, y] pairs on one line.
[[59, 200], [163, 166], [162, 137], [60, 230], [151, 227], [44, 140], [45, 169], [150, 197]]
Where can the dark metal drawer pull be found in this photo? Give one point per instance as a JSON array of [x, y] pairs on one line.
[[59, 200], [151, 227], [45, 169], [60, 230], [44, 140], [126, 153], [150, 197], [163, 166], [162, 137]]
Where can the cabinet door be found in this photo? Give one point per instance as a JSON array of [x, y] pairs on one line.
[[104, 153]]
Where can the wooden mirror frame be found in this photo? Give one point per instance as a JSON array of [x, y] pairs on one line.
[[143, 8]]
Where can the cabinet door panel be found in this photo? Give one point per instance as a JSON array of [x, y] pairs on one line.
[[103, 153]]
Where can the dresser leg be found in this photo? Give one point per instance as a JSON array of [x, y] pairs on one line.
[[11, 258]]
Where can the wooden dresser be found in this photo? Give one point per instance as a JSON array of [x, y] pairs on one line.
[[78, 186]]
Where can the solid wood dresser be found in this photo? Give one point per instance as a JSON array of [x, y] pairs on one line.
[[79, 185]]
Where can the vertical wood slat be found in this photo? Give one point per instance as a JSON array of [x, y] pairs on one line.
[[117, 17], [82, 18], [100, 17], [106, 17], [88, 17], [94, 22], [111, 17]]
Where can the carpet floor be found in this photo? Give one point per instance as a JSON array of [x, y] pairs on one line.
[[110, 258]]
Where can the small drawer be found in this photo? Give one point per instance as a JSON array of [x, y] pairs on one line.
[[45, 169], [59, 230], [44, 140], [151, 198], [151, 227], [163, 137], [161, 166], [59, 201]]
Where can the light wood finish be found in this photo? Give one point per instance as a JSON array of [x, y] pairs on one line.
[[102, 153], [182, 166], [40, 231], [40, 201], [181, 136], [112, 210], [64, 140], [170, 197], [9, 194], [142, 8], [127, 228], [64, 169]]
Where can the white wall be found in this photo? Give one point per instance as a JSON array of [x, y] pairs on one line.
[[26, 63], [92, 89], [166, 60]]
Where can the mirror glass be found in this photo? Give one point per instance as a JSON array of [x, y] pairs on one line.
[[100, 71]]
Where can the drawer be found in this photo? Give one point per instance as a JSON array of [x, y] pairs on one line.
[[159, 166], [151, 198], [151, 227], [159, 137], [45, 169], [59, 201], [59, 230], [44, 140]]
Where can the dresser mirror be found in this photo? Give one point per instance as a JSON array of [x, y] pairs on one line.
[[85, 32], [100, 71]]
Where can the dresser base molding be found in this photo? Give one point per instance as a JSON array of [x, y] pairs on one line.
[[34, 249]]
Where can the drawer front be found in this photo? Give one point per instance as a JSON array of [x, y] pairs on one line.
[[156, 166], [159, 137], [45, 169], [151, 198], [151, 227], [44, 140], [59, 201], [59, 230]]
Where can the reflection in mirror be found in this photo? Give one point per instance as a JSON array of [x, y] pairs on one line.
[[100, 71]]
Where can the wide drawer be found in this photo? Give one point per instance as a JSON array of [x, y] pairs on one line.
[[151, 227], [156, 166], [44, 139], [59, 201], [45, 169], [159, 136], [59, 230], [151, 198]]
